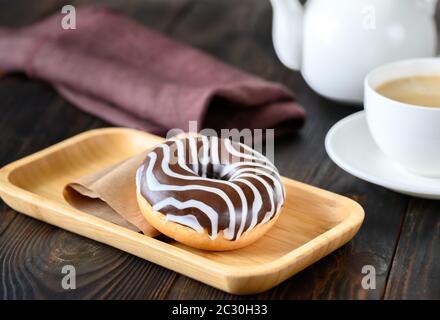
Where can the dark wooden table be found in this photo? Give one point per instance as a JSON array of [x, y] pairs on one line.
[[400, 236]]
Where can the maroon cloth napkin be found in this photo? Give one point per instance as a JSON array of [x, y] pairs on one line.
[[120, 71]]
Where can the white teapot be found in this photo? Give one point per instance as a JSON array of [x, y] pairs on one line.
[[335, 43]]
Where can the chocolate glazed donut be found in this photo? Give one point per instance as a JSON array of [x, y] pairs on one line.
[[214, 188]]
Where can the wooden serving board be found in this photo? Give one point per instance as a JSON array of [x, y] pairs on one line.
[[313, 223]]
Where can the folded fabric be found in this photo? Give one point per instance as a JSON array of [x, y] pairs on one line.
[[122, 72]]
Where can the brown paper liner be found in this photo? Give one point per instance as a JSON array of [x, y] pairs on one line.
[[110, 194]]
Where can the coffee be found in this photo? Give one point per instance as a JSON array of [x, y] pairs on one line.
[[423, 90]]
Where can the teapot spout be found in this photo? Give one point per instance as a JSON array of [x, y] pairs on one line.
[[287, 30]]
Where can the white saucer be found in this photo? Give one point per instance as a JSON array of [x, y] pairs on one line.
[[350, 145]]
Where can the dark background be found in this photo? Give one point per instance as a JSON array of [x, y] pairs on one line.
[[400, 236]]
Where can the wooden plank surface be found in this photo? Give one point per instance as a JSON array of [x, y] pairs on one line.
[[400, 235], [416, 267]]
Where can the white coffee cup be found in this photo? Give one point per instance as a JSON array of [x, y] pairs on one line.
[[406, 133]]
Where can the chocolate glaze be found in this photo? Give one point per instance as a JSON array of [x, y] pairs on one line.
[[211, 183]]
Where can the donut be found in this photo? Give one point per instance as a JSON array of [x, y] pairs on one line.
[[209, 193]]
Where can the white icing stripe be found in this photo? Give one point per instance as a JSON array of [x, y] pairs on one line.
[[210, 155], [215, 159], [154, 185], [188, 220], [255, 152], [194, 155], [257, 203], [205, 158], [211, 213], [231, 229], [269, 192], [180, 156], [277, 184], [230, 148], [229, 168]]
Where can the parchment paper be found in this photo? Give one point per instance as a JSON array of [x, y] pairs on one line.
[[110, 194]]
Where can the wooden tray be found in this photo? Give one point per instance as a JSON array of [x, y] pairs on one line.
[[314, 222]]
